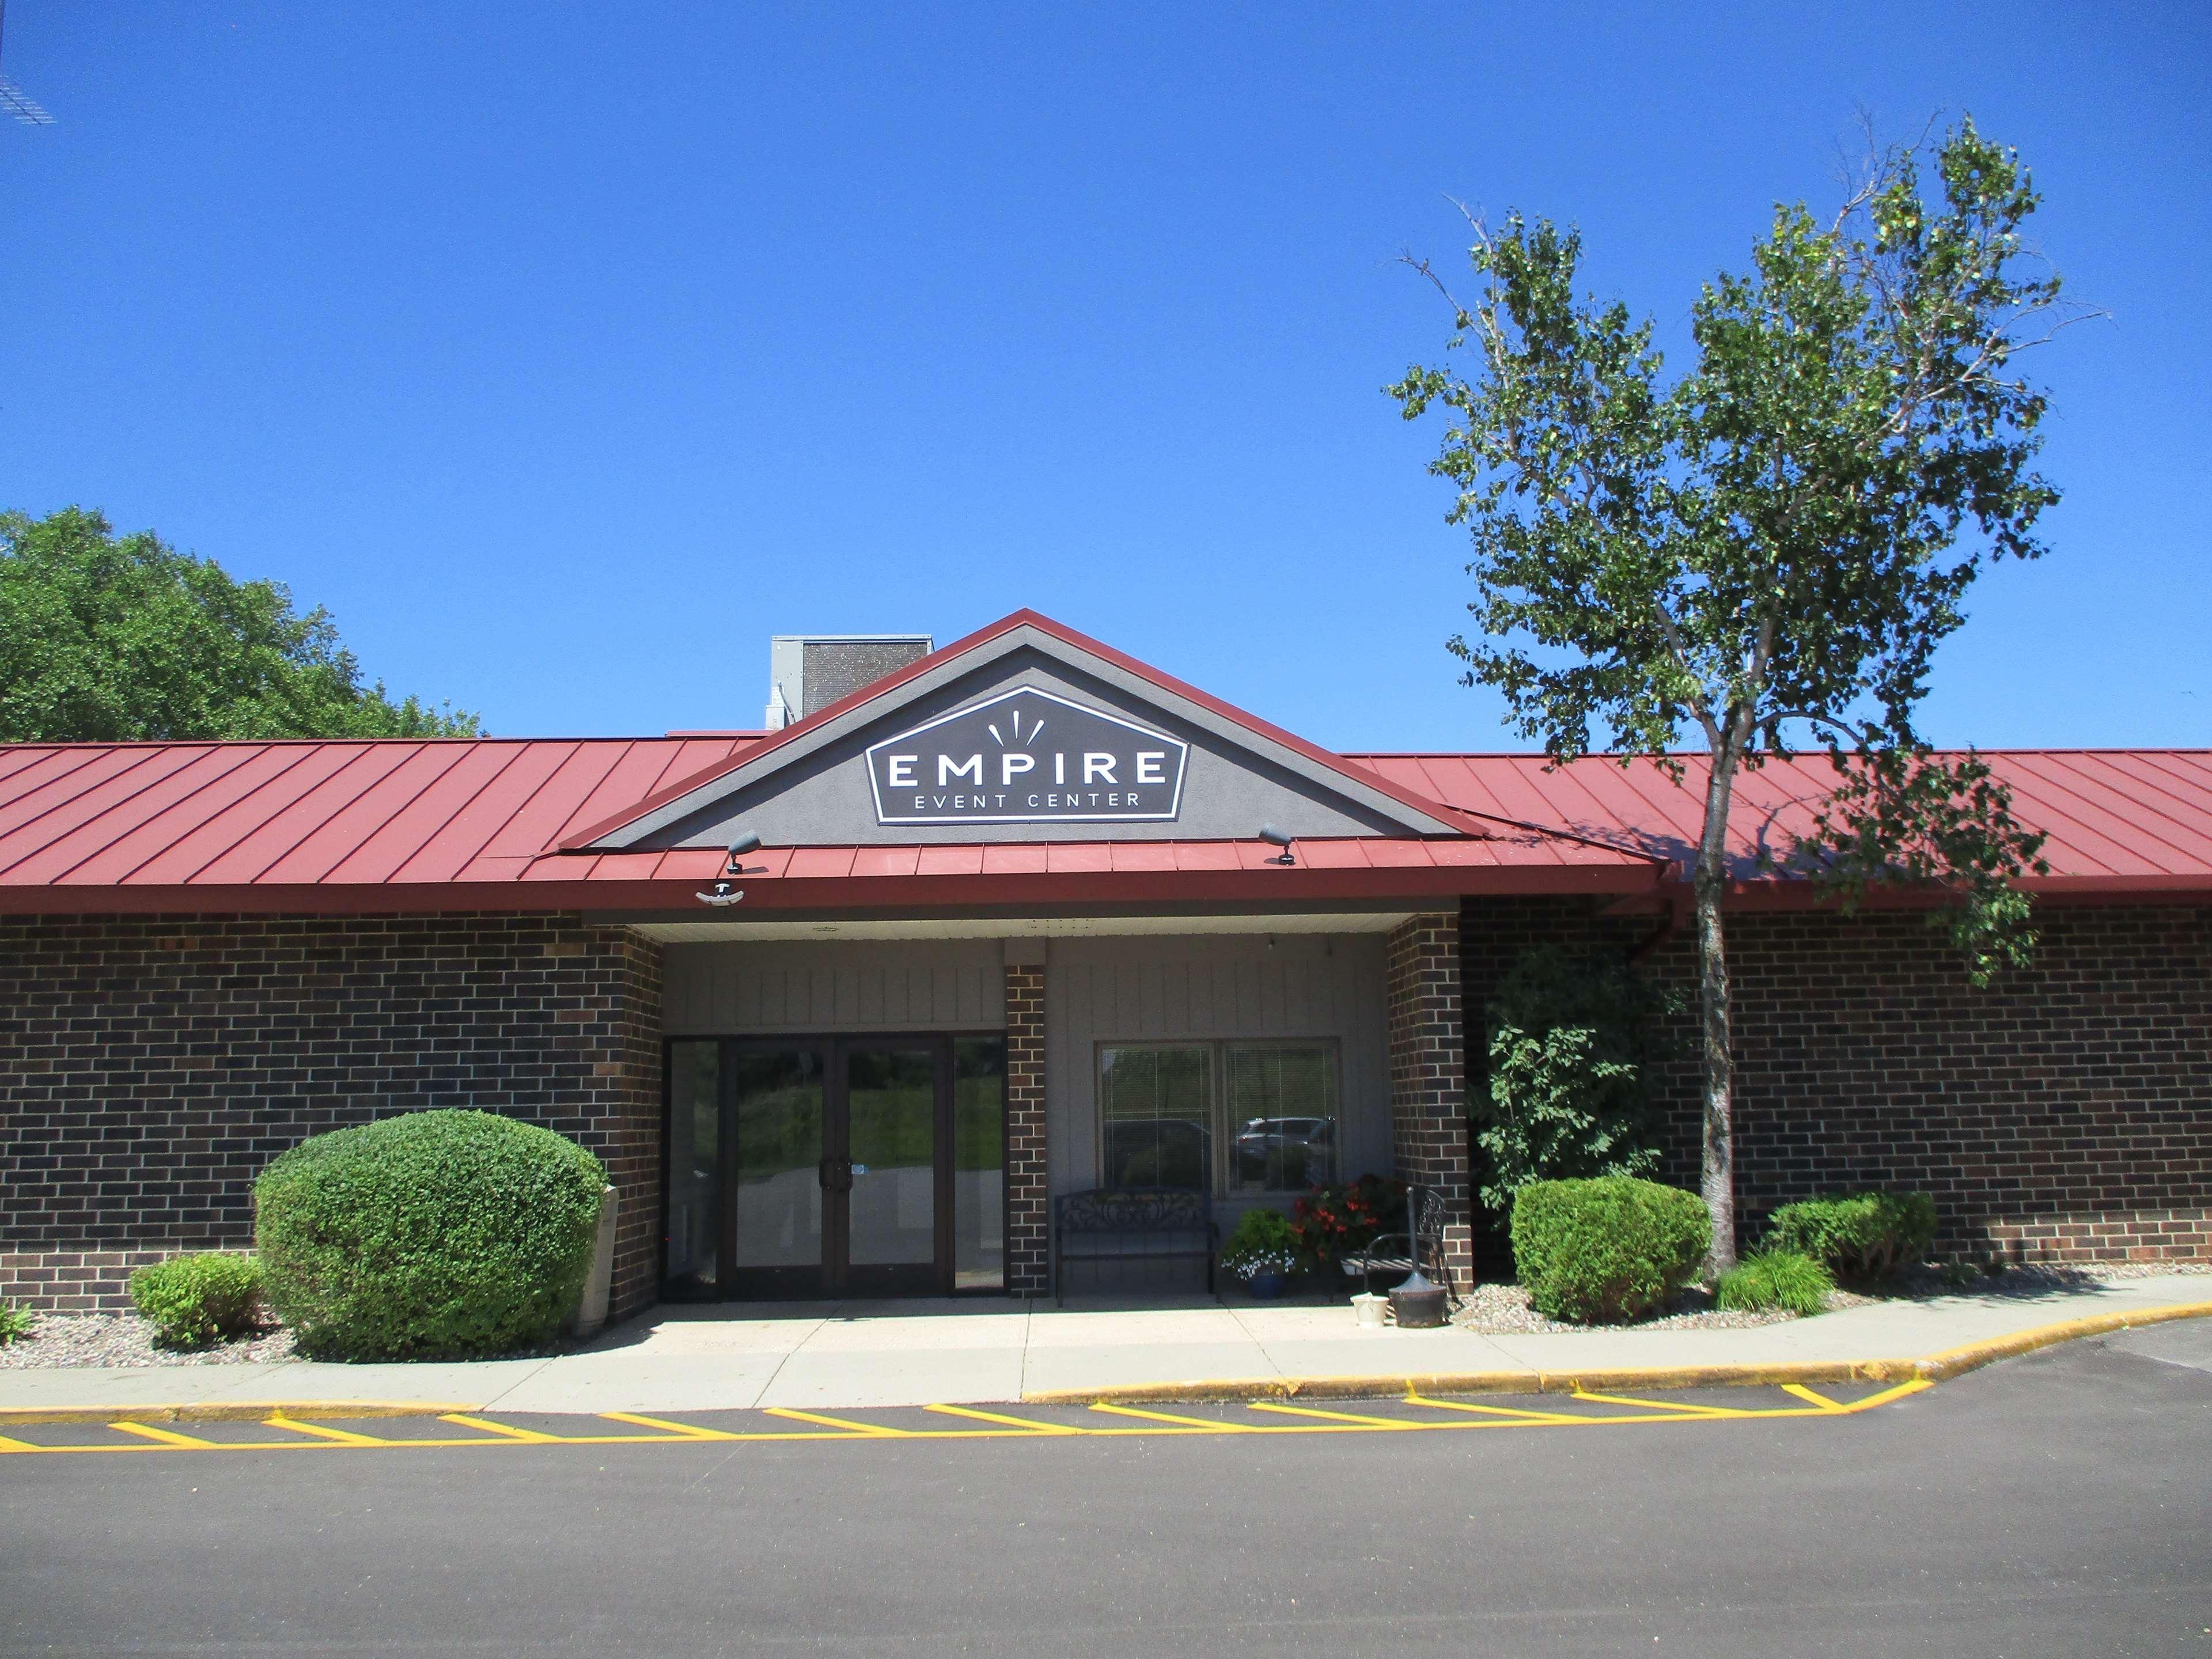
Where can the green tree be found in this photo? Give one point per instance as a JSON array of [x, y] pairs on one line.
[[107, 638], [1766, 549]]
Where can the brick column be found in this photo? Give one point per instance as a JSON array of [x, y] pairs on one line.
[[1428, 1067], [1029, 1230], [624, 1023]]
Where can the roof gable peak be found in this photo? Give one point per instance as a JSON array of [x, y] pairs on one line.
[[1111, 683]]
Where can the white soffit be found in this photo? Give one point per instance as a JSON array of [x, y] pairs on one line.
[[708, 933]]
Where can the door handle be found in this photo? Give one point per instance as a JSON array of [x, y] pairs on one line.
[[834, 1174]]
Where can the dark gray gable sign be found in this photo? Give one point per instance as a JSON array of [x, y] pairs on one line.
[[1027, 755]]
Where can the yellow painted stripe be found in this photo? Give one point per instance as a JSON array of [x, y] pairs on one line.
[[529, 1436], [8, 1445], [876, 1431], [1806, 1393], [1493, 1411], [322, 1431], [167, 1437], [1209, 1427], [1685, 1410], [1010, 1422], [688, 1430], [1349, 1418], [1918, 1385]]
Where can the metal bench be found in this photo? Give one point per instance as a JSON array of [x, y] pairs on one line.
[[1132, 1223], [1422, 1246]]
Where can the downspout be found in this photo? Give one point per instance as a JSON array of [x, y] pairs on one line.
[[1678, 912]]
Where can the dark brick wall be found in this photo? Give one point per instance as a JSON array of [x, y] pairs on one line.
[[156, 1064], [1028, 1213], [2065, 1114], [1428, 1070]]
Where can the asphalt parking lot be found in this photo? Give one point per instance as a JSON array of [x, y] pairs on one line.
[[2055, 1505]]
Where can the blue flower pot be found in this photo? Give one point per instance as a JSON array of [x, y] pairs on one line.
[[1266, 1287]]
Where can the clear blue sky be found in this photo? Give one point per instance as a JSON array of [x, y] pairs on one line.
[[566, 352]]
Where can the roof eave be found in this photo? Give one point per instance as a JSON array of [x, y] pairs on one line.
[[886, 893]]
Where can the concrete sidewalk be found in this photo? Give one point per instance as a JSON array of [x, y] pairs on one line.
[[912, 1353]]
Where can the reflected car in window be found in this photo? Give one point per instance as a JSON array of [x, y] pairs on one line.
[[1286, 1153]]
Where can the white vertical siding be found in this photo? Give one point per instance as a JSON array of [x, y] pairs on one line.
[[1226, 986], [890, 985]]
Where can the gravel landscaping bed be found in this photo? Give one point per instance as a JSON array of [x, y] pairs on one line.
[[117, 1339], [1502, 1309]]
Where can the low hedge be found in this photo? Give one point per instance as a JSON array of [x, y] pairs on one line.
[[434, 1235], [1610, 1249], [1858, 1234], [194, 1300], [1777, 1279]]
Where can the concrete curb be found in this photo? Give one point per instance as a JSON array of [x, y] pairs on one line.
[[1956, 1362], [1931, 1368]]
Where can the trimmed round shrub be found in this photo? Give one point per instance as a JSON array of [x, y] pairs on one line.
[[1606, 1249], [1777, 1279], [1858, 1234], [194, 1300], [434, 1235]]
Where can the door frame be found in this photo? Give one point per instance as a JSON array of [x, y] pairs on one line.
[[834, 1278]]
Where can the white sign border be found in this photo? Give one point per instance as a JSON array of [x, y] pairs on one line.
[[1175, 806]]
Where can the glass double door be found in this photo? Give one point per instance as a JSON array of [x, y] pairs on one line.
[[836, 1166]]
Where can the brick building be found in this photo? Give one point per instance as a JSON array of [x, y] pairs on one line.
[[844, 1004]]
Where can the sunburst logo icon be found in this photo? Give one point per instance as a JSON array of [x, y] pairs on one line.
[[1014, 718]]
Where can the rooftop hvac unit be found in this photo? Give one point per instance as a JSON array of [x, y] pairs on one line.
[[807, 672]]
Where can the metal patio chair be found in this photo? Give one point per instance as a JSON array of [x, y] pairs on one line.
[[1423, 1244]]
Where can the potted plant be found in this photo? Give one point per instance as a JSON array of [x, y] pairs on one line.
[[1332, 1224], [1263, 1251]]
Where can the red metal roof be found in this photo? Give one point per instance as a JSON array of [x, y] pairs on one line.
[[2118, 820], [460, 824], [478, 823]]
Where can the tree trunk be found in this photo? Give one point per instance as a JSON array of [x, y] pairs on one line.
[[1708, 882], [1717, 1179]]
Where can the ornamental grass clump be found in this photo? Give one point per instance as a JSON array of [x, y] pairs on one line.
[[1862, 1235], [1776, 1278], [434, 1235], [193, 1301], [1607, 1249], [14, 1323]]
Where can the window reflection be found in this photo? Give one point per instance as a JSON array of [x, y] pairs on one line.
[[1155, 1112]]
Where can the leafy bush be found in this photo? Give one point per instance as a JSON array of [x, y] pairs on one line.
[[439, 1234], [1571, 1043], [1332, 1223], [1858, 1234], [14, 1323], [194, 1300], [1777, 1279], [1608, 1249], [1263, 1241]]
